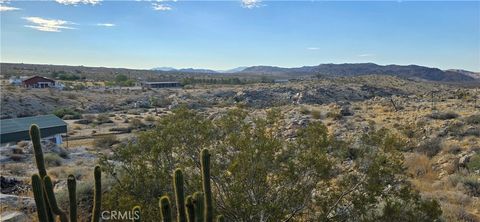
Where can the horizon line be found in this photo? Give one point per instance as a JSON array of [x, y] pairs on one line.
[[220, 70]]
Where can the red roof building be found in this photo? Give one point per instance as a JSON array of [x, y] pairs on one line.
[[38, 82]]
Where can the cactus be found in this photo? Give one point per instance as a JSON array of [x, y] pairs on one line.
[[72, 197], [190, 209], [97, 199], [37, 148], [52, 201], [37, 188], [165, 209], [136, 214], [220, 218], [198, 203], [42, 172], [179, 195], [43, 188], [207, 189]]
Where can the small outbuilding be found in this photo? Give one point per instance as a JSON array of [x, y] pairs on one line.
[[156, 85], [38, 82], [17, 129]]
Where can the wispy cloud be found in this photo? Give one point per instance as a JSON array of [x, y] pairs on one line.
[[48, 25], [76, 2], [251, 3], [4, 8], [161, 7], [313, 48], [366, 55], [106, 24]]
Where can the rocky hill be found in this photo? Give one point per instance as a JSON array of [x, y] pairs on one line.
[[359, 69]]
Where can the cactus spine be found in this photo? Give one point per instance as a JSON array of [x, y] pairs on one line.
[[179, 194], [198, 202], [72, 197], [220, 218], [97, 199], [39, 198], [207, 189], [136, 214], [52, 201], [165, 209], [190, 209]]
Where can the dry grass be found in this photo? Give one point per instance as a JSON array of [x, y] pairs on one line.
[[419, 166]]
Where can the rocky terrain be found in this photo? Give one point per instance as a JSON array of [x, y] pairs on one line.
[[438, 123]]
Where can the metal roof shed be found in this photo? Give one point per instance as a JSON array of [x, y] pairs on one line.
[[17, 129]]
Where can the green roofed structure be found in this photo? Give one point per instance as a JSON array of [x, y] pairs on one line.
[[17, 129]]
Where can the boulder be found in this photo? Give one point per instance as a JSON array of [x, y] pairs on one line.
[[13, 216]]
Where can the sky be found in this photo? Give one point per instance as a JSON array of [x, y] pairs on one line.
[[222, 35]]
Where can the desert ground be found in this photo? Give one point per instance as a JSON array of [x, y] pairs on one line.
[[439, 123]]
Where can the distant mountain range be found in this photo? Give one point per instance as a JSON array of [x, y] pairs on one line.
[[193, 70], [358, 69], [348, 69], [187, 70], [414, 72]]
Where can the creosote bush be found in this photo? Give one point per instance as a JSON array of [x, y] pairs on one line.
[[443, 115], [257, 175]]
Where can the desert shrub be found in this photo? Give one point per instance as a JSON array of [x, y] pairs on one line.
[[52, 159], [251, 158], [443, 115], [89, 117], [472, 131], [473, 119], [455, 128], [316, 114], [61, 112], [121, 129], [136, 124], [105, 141], [453, 149], [335, 115], [150, 118], [430, 147], [472, 185], [103, 118], [474, 162], [63, 153], [418, 165], [304, 110], [72, 96]]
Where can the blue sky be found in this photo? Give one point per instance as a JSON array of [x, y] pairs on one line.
[[227, 34]]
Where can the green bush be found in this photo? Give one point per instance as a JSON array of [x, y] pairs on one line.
[[52, 159], [474, 163], [103, 118], [430, 147], [61, 112], [259, 174]]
